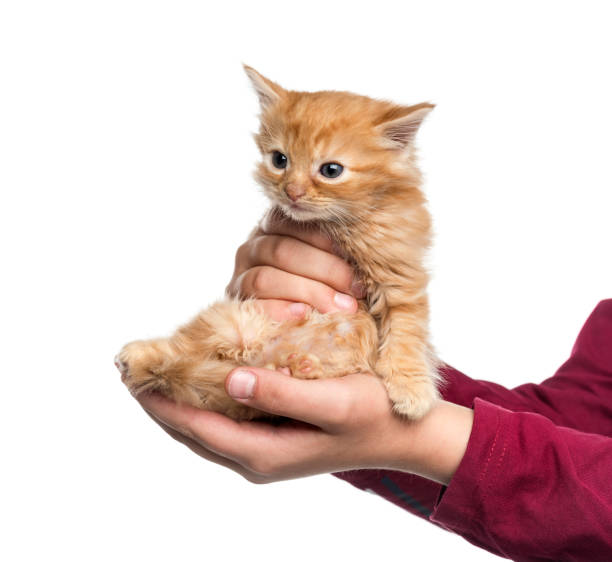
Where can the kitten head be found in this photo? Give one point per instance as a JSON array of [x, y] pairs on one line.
[[335, 156]]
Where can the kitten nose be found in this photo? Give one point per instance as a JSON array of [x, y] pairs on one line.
[[295, 191]]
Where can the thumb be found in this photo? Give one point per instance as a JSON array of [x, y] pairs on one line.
[[321, 402]]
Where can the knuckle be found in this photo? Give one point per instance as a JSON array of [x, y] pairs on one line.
[[259, 279], [281, 250], [239, 287], [242, 253], [255, 247]]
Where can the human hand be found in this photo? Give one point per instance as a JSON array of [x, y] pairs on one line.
[[291, 267], [336, 424]]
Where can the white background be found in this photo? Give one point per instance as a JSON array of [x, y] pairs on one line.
[[125, 162]]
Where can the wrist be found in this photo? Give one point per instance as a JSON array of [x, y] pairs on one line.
[[433, 446]]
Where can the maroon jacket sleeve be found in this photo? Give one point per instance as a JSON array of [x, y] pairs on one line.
[[578, 397], [528, 489]]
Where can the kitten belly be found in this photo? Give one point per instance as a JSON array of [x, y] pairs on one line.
[[191, 366], [324, 346]]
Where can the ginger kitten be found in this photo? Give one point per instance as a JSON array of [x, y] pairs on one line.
[[345, 164]]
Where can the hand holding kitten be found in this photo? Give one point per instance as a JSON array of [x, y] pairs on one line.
[[290, 268], [341, 423]]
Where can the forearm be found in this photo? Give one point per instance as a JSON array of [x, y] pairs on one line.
[[578, 396], [434, 446], [577, 400], [514, 483]]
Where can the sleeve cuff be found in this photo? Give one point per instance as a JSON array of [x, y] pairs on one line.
[[459, 505]]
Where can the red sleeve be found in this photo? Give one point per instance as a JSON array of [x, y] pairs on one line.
[[578, 396], [530, 490]]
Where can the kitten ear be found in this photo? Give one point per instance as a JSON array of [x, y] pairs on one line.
[[400, 125], [267, 91]]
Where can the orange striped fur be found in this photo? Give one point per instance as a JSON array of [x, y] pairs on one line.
[[376, 214]]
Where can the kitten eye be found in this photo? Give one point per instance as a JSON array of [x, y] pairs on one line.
[[279, 160], [331, 170]]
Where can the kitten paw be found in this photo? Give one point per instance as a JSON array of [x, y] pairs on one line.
[[412, 398], [122, 367], [304, 365], [143, 365]]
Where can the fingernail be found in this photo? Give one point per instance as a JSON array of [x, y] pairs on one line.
[[345, 302], [357, 289], [298, 309], [241, 384]]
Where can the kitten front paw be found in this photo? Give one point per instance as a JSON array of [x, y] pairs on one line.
[[412, 398]]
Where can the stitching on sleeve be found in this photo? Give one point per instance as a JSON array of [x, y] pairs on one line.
[[491, 450], [487, 492]]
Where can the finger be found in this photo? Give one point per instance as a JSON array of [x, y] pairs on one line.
[[266, 282], [300, 258], [219, 434], [281, 310], [200, 450], [321, 402], [274, 223], [260, 448]]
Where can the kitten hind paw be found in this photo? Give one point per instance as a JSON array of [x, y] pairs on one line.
[[122, 366], [144, 365], [304, 365]]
